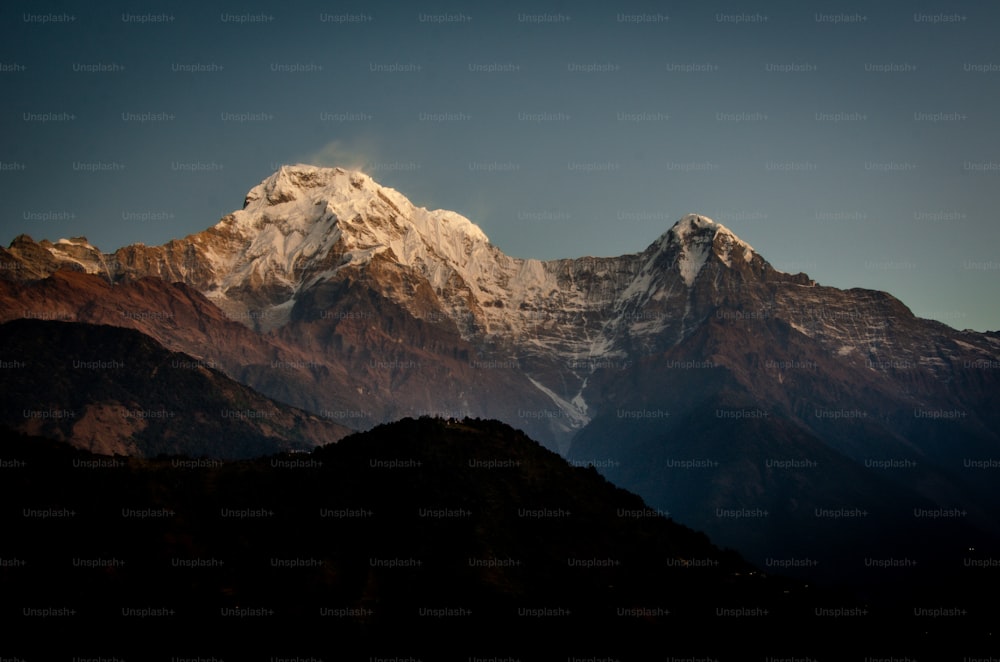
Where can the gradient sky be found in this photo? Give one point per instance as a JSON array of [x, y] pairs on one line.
[[562, 129]]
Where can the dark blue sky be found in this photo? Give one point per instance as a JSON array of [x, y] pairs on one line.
[[858, 142]]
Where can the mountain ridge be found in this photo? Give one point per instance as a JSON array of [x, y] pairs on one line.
[[286, 265], [306, 230], [331, 297], [321, 206], [304, 227]]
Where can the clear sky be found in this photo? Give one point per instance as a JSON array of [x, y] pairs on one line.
[[858, 142]]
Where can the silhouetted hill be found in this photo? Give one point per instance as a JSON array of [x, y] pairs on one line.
[[413, 535]]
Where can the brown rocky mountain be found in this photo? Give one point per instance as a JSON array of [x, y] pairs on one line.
[[692, 372]]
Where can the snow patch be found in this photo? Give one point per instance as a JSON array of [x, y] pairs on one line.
[[575, 411], [692, 258], [801, 329], [640, 285], [77, 241]]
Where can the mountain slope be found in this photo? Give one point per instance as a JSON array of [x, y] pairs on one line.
[[308, 236], [357, 304], [116, 391]]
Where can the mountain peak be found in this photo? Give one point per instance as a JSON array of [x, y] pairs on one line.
[[303, 223], [697, 237], [346, 194], [289, 181], [698, 225], [695, 222]]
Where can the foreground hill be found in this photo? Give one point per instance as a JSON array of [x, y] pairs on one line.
[[413, 535]]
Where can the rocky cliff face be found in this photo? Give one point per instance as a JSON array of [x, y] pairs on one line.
[[333, 293], [375, 308]]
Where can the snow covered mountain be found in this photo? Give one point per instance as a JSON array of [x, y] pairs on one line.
[[312, 245], [306, 229], [303, 225], [680, 371]]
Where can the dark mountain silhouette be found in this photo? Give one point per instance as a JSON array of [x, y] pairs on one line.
[[118, 391], [435, 534]]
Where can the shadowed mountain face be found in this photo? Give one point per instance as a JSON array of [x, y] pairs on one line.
[[693, 373], [118, 392], [794, 457]]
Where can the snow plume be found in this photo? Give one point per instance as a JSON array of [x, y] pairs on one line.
[[359, 155]]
